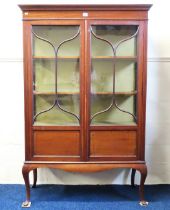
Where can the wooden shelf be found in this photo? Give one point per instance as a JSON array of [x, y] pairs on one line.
[[59, 57], [59, 93], [130, 93], [97, 93], [118, 58]]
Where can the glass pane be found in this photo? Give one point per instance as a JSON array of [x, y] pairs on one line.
[[113, 116], [56, 51], [113, 74], [114, 34]]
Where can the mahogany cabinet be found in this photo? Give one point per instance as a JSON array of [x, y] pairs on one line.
[[85, 88]]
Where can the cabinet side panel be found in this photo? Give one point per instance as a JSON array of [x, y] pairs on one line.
[[144, 84], [142, 80], [27, 89]]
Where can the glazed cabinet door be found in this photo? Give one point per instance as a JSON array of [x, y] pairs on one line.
[[57, 66], [114, 90]]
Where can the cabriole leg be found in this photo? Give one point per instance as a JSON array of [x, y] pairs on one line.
[[133, 177], [34, 178], [25, 173], [143, 172]]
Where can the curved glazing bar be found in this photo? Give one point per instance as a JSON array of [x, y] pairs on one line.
[[114, 48], [126, 39], [56, 101], [113, 96]]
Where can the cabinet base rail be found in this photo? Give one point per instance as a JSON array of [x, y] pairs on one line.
[[84, 167]]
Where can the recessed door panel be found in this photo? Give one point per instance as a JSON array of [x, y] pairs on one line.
[[57, 144], [113, 144]]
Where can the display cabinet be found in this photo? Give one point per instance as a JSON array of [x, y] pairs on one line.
[[85, 88]]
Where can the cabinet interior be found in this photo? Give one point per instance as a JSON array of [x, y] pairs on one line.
[[113, 73]]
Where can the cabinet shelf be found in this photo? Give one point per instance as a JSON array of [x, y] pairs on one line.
[[52, 93], [130, 93], [59, 57], [118, 58]]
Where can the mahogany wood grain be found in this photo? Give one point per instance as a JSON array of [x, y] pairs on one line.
[[65, 58], [114, 128], [34, 178], [133, 177], [115, 15], [130, 93], [86, 166], [56, 128], [27, 89], [144, 90], [75, 7], [113, 143], [87, 85], [25, 172], [59, 143], [75, 11], [116, 58], [141, 167], [85, 147], [141, 89]]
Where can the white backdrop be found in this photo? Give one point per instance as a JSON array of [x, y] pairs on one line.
[[12, 102]]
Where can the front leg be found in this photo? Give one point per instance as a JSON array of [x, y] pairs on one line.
[[143, 172], [25, 172]]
